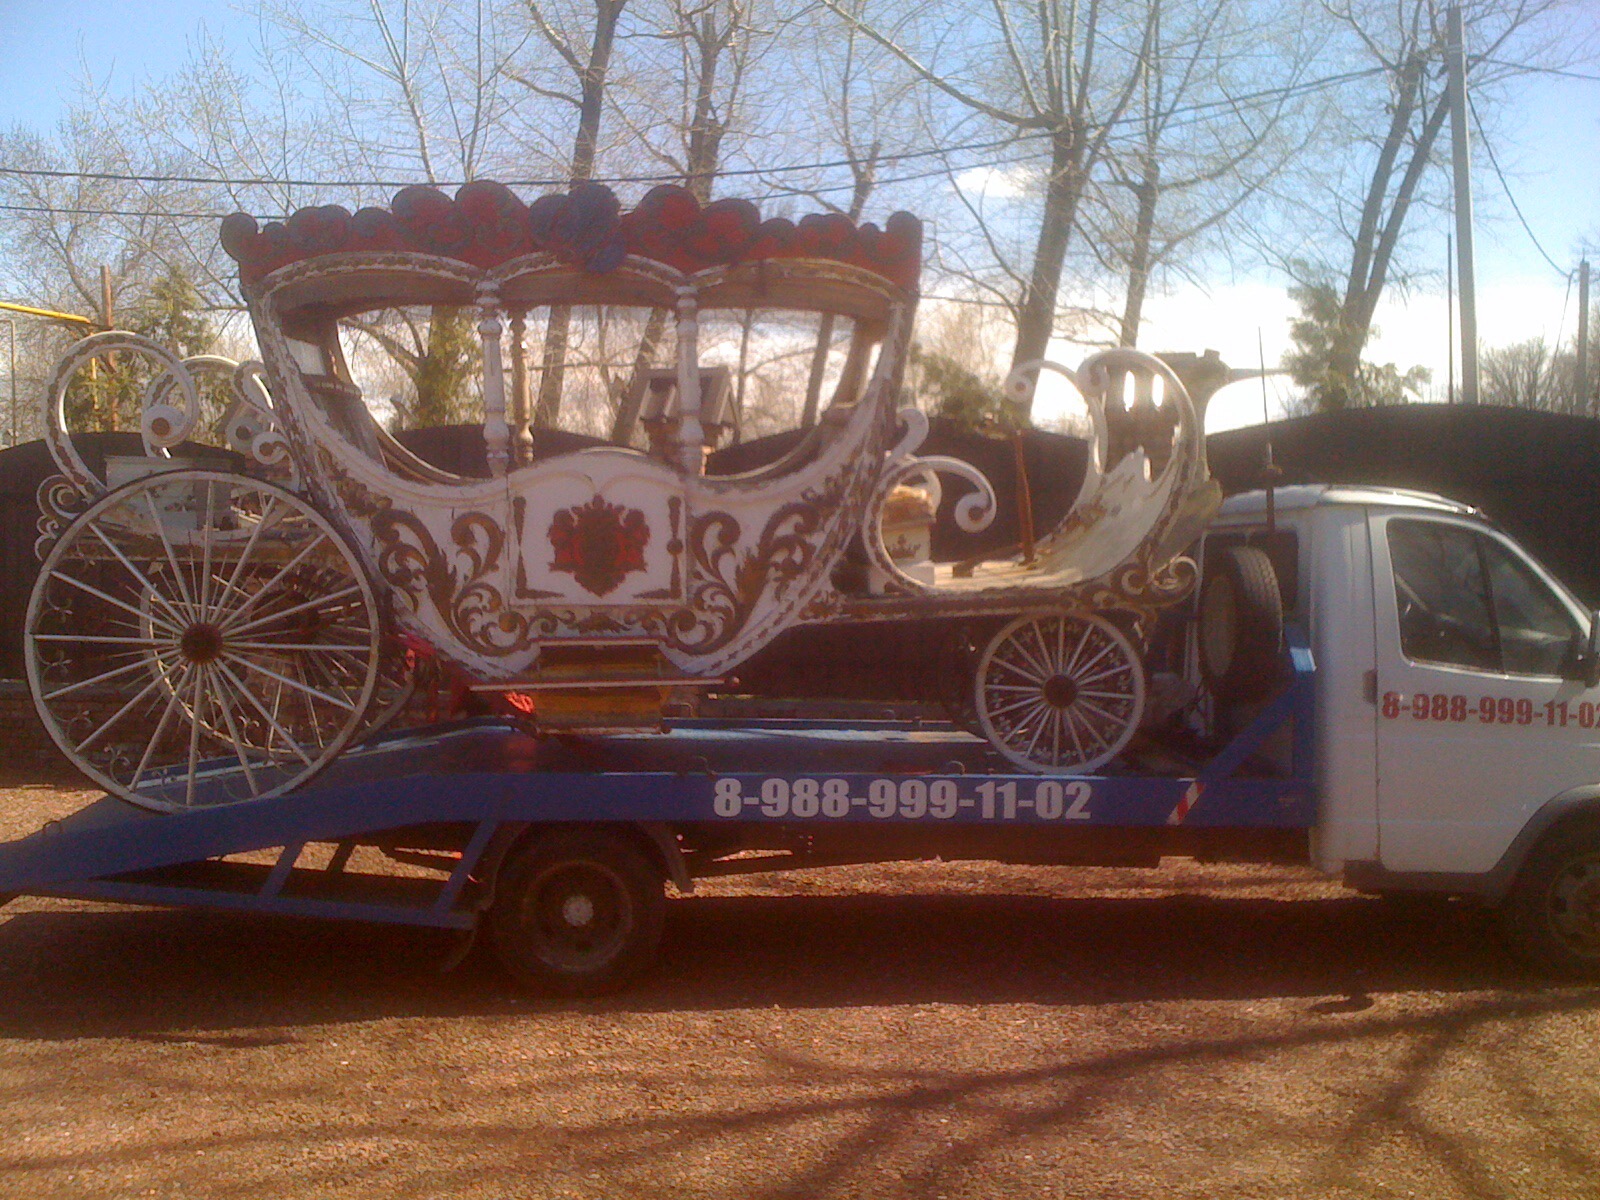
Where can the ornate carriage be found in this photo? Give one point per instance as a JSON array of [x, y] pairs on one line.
[[218, 623]]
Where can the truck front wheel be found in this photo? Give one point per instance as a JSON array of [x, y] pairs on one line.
[[578, 912], [1552, 915]]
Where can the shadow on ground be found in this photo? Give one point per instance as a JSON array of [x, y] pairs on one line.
[[66, 974]]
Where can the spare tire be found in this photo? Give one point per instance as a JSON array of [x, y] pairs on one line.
[[1240, 626]]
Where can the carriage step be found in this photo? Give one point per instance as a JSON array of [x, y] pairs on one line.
[[583, 684]]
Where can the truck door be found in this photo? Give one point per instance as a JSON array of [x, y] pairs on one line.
[[1476, 725]]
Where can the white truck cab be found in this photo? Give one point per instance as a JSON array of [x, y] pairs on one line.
[[1457, 711]]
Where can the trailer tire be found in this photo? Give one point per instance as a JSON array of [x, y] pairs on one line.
[[1240, 625], [1551, 916], [578, 912]]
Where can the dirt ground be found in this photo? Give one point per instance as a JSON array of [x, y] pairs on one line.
[[910, 1031]]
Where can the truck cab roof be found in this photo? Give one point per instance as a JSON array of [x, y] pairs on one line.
[[1315, 495]]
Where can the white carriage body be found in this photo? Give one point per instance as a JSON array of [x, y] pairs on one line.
[[606, 542], [212, 608]]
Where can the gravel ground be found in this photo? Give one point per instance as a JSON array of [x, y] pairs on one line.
[[901, 1031]]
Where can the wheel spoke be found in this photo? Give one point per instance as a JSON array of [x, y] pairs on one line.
[[1038, 731], [161, 731], [1098, 729], [1082, 726], [1001, 710], [137, 664], [172, 556], [117, 716], [150, 588], [250, 602], [1082, 671], [99, 639], [244, 556], [1114, 671], [271, 720], [1011, 666], [204, 583], [316, 602], [195, 718], [98, 594], [1072, 731], [1071, 665], [305, 688], [1110, 717], [1016, 643], [299, 647], [233, 732], [1052, 665]]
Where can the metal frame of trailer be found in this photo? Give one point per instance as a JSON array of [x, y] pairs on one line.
[[455, 797]]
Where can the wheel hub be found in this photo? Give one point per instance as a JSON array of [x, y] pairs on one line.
[[1060, 691], [1577, 905], [578, 911], [201, 643]]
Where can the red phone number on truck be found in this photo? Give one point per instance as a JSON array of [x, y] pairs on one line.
[[1490, 710]]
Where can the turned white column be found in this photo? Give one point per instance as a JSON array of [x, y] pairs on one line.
[[496, 432], [521, 408], [691, 434]]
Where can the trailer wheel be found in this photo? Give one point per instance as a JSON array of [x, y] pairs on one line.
[[578, 913], [1552, 915], [1240, 625]]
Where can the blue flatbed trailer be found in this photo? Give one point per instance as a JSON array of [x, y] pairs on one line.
[[573, 833]]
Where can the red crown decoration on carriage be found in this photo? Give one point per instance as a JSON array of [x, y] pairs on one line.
[[487, 224]]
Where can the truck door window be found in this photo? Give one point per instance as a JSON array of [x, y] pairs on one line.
[[1536, 630], [1464, 600], [1442, 596]]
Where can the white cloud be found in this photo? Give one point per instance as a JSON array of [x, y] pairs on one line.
[[995, 183]]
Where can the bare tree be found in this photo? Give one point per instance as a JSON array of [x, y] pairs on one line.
[[1208, 128], [853, 105], [1063, 71], [584, 44], [683, 103], [412, 88], [1400, 125]]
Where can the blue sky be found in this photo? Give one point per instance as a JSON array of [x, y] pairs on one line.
[[1551, 152]]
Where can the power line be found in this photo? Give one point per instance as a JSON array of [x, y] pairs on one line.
[[113, 212], [1506, 188], [1231, 102], [1535, 70]]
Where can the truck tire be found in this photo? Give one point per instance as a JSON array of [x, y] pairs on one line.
[[578, 912], [1552, 914], [1240, 626]]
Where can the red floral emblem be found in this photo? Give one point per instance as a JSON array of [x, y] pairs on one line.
[[599, 543]]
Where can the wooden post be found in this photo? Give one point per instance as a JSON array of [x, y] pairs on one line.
[[521, 435], [496, 432], [691, 434]]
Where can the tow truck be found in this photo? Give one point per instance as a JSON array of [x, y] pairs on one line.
[[1378, 684]]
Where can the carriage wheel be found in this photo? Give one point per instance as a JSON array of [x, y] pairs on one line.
[[1059, 693], [199, 638]]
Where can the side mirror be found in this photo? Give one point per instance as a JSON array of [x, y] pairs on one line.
[[1586, 663]]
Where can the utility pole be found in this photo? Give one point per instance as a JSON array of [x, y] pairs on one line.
[[11, 328], [1583, 405], [1450, 318], [1456, 65]]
